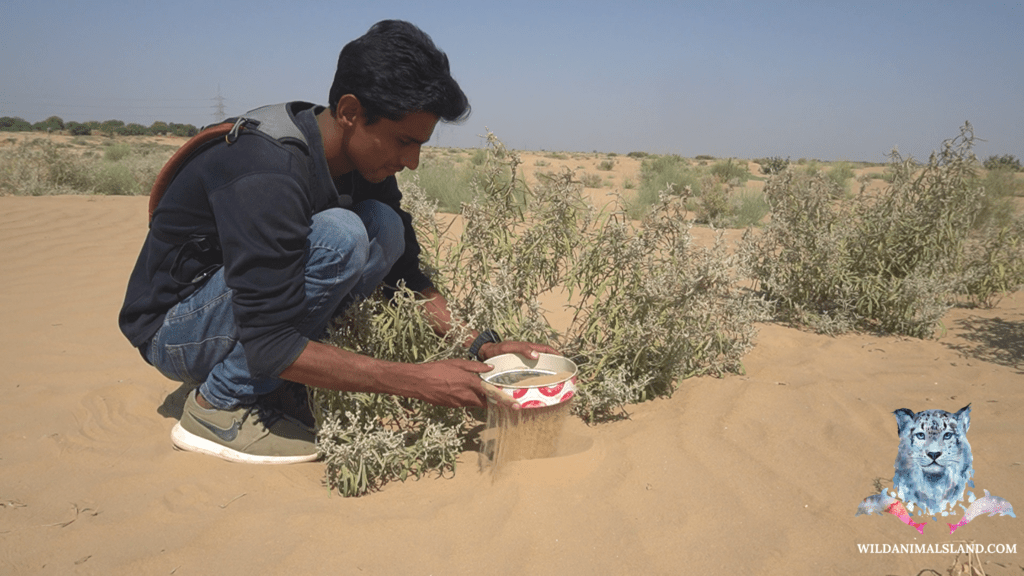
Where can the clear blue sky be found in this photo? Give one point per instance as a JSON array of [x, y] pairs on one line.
[[743, 79]]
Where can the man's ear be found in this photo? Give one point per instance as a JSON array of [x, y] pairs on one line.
[[348, 110]]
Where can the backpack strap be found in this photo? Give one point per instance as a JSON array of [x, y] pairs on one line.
[[171, 168], [273, 120]]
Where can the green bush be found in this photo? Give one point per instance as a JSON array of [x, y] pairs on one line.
[[591, 180], [713, 203], [114, 180], [51, 124], [478, 157], [648, 310], [118, 151], [998, 203], [78, 129], [888, 263], [110, 127], [446, 182], [184, 130], [995, 263], [1004, 162], [41, 167], [14, 124], [748, 209], [606, 165], [133, 130], [840, 174], [728, 170], [773, 165], [661, 173]]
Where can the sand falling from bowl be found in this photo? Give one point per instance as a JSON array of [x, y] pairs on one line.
[[528, 402]]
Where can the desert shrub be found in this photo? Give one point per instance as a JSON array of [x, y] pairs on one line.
[[51, 124], [748, 209], [117, 151], [114, 179], [133, 129], [998, 204], [606, 165], [110, 127], [131, 175], [773, 165], [14, 124], [727, 170], [656, 174], [1004, 162], [888, 263], [651, 309], [840, 174], [185, 130], [39, 167], [637, 154], [78, 129], [449, 183], [712, 206], [994, 263], [478, 157], [445, 181], [704, 158], [648, 310], [591, 180]]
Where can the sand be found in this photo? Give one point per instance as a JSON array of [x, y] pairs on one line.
[[754, 474]]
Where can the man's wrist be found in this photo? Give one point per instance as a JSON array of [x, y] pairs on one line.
[[487, 336]]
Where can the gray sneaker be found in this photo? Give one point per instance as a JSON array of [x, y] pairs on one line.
[[293, 399], [249, 434]]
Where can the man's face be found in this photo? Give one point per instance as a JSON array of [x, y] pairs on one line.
[[387, 147]]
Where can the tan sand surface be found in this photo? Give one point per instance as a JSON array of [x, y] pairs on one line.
[[754, 474]]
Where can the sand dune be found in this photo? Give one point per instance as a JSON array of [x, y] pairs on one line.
[[754, 474]]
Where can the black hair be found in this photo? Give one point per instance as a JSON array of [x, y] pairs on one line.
[[394, 70]]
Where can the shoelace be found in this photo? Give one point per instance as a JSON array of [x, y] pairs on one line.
[[266, 416]]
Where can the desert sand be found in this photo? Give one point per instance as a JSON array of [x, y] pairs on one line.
[[759, 473]]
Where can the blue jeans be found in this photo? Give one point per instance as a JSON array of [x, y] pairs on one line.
[[348, 253]]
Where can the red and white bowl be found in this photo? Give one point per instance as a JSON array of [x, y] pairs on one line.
[[513, 373]]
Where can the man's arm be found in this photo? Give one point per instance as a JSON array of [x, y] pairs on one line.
[[453, 382]]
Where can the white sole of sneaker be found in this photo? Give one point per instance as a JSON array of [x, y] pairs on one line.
[[185, 440]]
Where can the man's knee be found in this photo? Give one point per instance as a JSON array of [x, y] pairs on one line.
[[337, 239], [383, 226]]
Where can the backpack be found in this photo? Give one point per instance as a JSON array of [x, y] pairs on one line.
[[274, 121]]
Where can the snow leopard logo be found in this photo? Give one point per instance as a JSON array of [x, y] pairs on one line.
[[934, 463]]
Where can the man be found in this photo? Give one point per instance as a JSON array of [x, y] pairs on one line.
[[258, 241]]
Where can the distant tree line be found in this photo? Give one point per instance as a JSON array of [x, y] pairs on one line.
[[109, 128]]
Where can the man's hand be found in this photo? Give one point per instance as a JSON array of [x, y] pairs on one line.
[[451, 383], [527, 349]]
